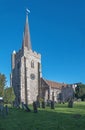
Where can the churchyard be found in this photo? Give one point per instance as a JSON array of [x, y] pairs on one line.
[[60, 118]]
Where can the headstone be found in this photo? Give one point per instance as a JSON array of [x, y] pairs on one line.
[[1, 109], [52, 105], [6, 109], [27, 108], [38, 101], [35, 107], [43, 104], [70, 103]]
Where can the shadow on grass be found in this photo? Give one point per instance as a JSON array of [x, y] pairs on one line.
[[76, 105], [45, 119]]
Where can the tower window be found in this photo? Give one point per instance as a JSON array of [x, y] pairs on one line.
[[32, 64]]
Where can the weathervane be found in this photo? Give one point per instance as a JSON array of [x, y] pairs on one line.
[[27, 11]]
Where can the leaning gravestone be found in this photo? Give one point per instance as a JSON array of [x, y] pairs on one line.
[[35, 107], [27, 108], [52, 105]]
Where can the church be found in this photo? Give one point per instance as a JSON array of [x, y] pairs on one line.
[[26, 74]]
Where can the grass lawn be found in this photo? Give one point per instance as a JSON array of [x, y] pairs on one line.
[[61, 118]]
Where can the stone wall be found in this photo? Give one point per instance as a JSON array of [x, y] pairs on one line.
[[49, 93], [54, 94], [26, 87]]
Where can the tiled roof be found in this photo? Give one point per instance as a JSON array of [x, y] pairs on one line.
[[53, 84]]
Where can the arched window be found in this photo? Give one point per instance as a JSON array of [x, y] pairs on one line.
[[32, 64]]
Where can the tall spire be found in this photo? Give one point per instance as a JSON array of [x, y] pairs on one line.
[[26, 38]]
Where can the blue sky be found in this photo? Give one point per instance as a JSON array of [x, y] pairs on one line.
[[57, 29]]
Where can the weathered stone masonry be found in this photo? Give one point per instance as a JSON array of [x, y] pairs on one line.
[[26, 75]]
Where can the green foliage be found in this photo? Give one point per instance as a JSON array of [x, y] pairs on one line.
[[41, 99], [9, 95], [80, 91], [2, 84], [61, 118]]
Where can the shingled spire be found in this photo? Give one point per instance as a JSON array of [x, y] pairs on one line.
[[26, 37]]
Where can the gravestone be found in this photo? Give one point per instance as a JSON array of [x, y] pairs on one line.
[[1, 109], [52, 104], [6, 110], [38, 101], [27, 108], [70, 103], [35, 107], [43, 104]]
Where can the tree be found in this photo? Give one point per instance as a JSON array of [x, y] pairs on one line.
[[2, 84], [9, 95], [80, 91]]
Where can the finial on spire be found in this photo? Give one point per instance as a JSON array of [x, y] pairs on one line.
[[27, 11]]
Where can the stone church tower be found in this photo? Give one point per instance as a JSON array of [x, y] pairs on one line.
[[26, 70]]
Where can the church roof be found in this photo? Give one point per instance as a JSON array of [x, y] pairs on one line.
[[55, 85], [26, 35]]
